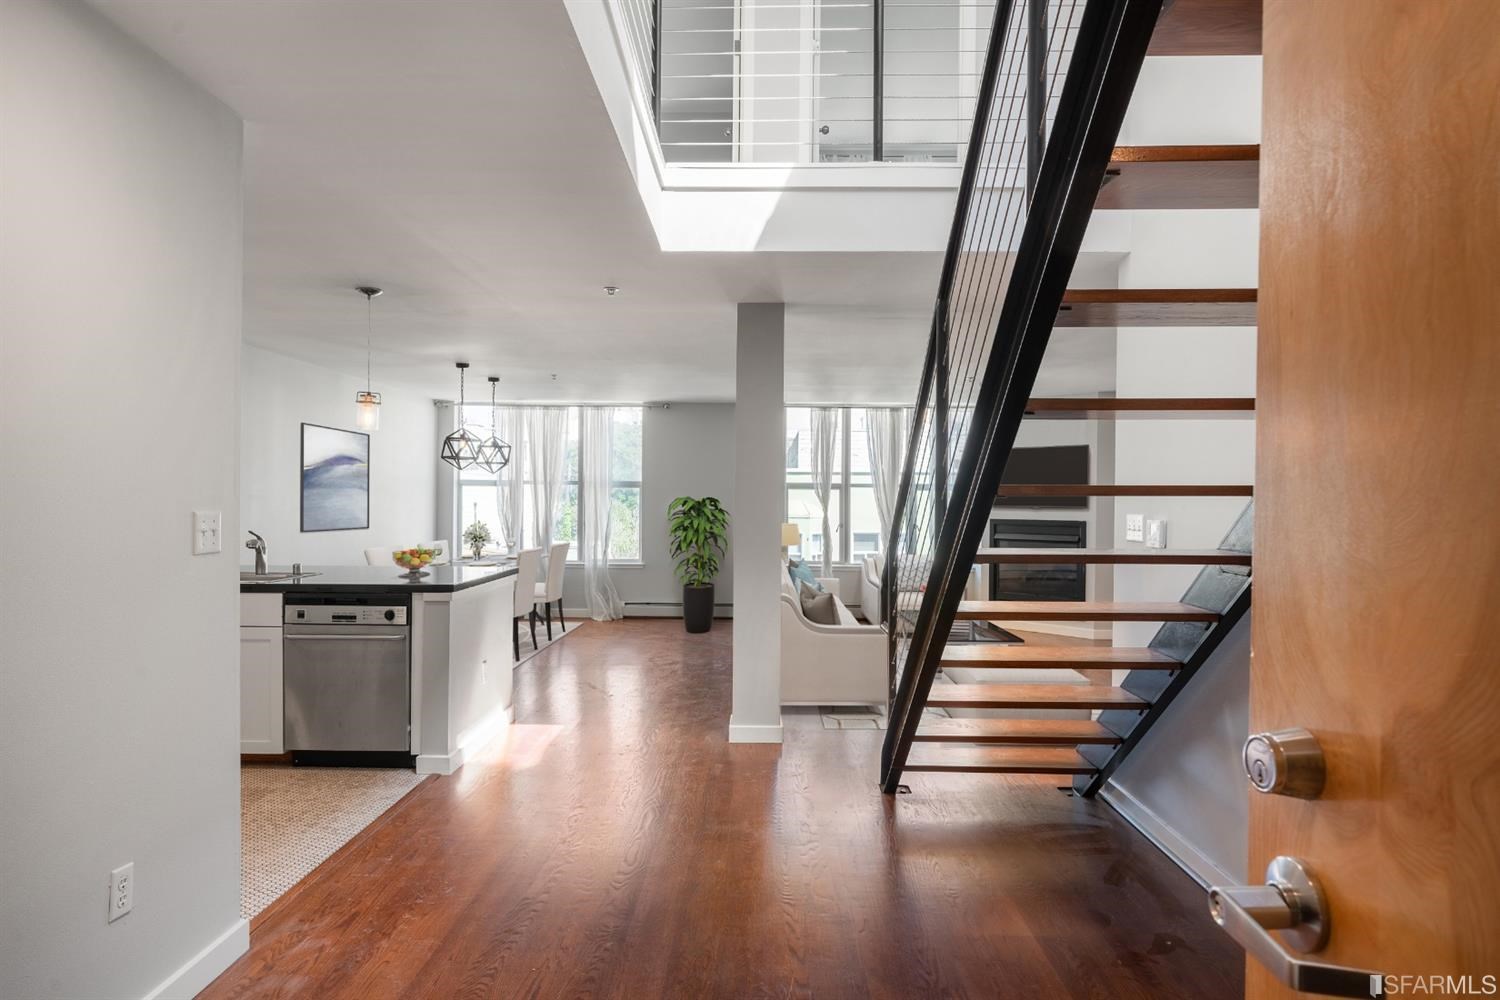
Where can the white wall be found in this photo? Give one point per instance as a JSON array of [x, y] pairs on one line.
[[277, 395], [120, 272], [687, 449], [1185, 783]]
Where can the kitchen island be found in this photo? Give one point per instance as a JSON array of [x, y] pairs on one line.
[[458, 620]]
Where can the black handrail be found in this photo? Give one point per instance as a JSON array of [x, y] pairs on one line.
[[1107, 56]]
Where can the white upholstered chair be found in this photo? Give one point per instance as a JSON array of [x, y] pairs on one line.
[[843, 664], [528, 562], [549, 589], [443, 549], [378, 557], [870, 569]]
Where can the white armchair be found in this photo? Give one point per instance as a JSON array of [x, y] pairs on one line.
[[870, 569], [843, 664]]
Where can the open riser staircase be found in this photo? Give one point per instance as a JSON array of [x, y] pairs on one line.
[[1064, 73]]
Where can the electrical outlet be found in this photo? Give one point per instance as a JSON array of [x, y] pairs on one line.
[[1156, 533], [1135, 527], [208, 532], [121, 889]]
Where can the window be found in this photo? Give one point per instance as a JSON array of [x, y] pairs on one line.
[[478, 494], [625, 491], [853, 521]]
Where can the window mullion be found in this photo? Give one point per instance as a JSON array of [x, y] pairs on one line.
[[844, 495]]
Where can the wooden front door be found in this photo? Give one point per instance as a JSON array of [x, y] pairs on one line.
[[1377, 543]]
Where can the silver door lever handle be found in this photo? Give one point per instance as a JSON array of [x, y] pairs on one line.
[[1291, 903]]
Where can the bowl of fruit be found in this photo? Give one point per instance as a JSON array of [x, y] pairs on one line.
[[413, 560]]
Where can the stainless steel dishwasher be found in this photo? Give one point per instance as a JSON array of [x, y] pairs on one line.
[[347, 676]]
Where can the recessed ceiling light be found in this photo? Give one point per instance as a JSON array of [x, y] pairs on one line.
[[611, 289]]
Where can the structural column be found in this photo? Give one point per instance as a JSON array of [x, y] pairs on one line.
[[755, 520]]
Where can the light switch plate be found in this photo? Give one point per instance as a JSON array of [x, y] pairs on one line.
[[1156, 533], [1135, 527], [208, 532]]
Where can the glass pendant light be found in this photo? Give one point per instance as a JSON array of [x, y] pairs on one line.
[[367, 403], [461, 448], [494, 454]]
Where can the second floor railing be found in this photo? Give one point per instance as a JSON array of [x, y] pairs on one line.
[[819, 81]]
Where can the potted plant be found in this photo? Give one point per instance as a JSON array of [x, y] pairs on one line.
[[477, 536], [697, 529]]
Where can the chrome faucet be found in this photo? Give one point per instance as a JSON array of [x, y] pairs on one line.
[[259, 547]]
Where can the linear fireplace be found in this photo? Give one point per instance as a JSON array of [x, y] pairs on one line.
[[1043, 582]]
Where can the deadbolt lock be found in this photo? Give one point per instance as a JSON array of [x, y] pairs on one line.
[[1285, 762]]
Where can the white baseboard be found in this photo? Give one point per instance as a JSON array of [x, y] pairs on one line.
[[204, 967], [1161, 833], [666, 609], [470, 741], [741, 733]]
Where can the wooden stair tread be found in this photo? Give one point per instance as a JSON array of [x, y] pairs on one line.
[[1181, 177], [1049, 732], [997, 654], [1126, 490], [1140, 407], [1083, 611], [1112, 307], [1207, 28], [998, 760], [1031, 696], [1116, 557]]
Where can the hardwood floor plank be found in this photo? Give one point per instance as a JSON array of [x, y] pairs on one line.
[[611, 843]]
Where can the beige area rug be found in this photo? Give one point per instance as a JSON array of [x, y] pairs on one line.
[[293, 818], [542, 641]]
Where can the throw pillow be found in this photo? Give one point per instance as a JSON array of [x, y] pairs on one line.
[[817, 606], [802, 574]]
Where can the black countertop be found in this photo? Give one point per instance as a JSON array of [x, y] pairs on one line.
[[444, 579]]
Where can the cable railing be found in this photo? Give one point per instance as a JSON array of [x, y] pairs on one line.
[[811, 81], [1056, 79]]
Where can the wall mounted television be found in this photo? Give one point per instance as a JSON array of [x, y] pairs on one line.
[[1056, 464]]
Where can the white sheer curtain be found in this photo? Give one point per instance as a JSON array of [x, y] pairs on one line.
[[825, 459], [510, 424], [546, 451], [885, 433], [596, 454]]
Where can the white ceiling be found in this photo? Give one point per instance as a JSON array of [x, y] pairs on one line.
[[458, 155]]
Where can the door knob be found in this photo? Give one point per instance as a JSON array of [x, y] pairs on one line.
[[1291, 904]]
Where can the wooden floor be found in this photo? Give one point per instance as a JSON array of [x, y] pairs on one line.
[[612, 844]]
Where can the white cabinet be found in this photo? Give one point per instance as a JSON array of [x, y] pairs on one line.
[[260, 673], [260, 689]]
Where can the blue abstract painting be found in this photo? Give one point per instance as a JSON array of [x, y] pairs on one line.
[[335, 479]]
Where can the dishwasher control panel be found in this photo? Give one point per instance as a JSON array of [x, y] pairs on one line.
[[344, 614]]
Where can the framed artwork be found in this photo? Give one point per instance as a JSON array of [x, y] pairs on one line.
[[335, 479]]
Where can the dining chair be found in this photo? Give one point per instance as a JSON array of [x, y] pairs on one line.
[[550, 588], [528, 562], [378, 557], [443, 549]]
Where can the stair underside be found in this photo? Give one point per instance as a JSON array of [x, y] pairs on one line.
[[999, 760], [1207, 28], [1031, 696], [1083, 611], [1126, 490], [994, 654], [1044, 732], [1114, 307], [1181, 177], [1116, 557], [1141, 408]]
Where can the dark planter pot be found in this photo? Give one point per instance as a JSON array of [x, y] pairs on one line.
[[698, 608]]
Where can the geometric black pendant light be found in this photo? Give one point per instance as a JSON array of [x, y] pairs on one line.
[[461, 448], [494, 454]]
